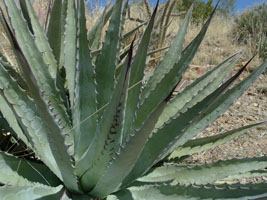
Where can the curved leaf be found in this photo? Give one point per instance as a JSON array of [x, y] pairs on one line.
[[198, 90], [183, 128], [70, 47], [28, 192], [55, 28], [84, 104], [42, 42], [206, 143], [126, 159], [41, 85], [26, 114], [102, 20], [204, 174], [19, 171], [194, 192], [105, 68], [170, 76], [108, 134], [136, 76]]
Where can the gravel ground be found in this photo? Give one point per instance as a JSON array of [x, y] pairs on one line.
[[250, 108]]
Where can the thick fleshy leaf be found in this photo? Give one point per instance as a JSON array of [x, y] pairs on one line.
[[102, 20], [206, 143], [12, 71], [45, 134], [107, 136], [125, 160], [130, 33], [34, 192], [84, 104], [171, 76], [96, 41], [218, 107], [34, 69], [170, 58], [198, 90], [70, 47], [44, 46], [42, 42], [193, 192], [55, 28], [136, 76], [176, 131], [105, 68], [19, 171], [25, 14], [250, 174], [10, 118], [27, 117], [204, 174]]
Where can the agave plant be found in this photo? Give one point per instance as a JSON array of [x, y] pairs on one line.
[[95, 130]]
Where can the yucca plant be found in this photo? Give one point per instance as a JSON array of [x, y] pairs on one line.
[[96, 132]]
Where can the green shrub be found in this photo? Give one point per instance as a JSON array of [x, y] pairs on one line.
[[251, 29], [202, 9]]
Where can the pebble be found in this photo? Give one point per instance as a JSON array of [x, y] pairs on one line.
[[210, 129], [238, 103], [251, 118], [255, 104]]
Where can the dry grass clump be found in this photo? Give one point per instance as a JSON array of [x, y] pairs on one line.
[[218, 44]]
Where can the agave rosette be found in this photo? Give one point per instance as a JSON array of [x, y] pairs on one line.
[[99, 132]]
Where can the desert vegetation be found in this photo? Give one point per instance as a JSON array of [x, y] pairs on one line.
[[112, 103]]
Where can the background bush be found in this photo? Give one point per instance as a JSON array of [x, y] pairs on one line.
[[202, 9], [251, 29]]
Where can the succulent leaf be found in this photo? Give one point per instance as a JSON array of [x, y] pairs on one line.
[[33, 67], [198, 90], [250, 174], [203, 144], [193, 192], [11, 119], [27, 117], [19, 171], [125, 161], [171, 77], [96, 128], [136, 76], [31, 192], [170, 58], [130, 33], [105, 68], [55, 28], [219, 106], [25, 14], [46, 135], [42, 42], [70, 45], [107, 134], [97, 26], [84, 105], [179, 130], [198, 174]]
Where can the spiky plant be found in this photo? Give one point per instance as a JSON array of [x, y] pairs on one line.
[[96, 131]]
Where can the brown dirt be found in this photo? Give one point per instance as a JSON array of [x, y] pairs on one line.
[[250, 108]]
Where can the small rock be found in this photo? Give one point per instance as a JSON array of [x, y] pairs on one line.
[[251, 118], [210, 129], [255, 104], [238, 103]]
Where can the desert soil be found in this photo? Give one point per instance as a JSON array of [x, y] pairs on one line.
[[250, 108]]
